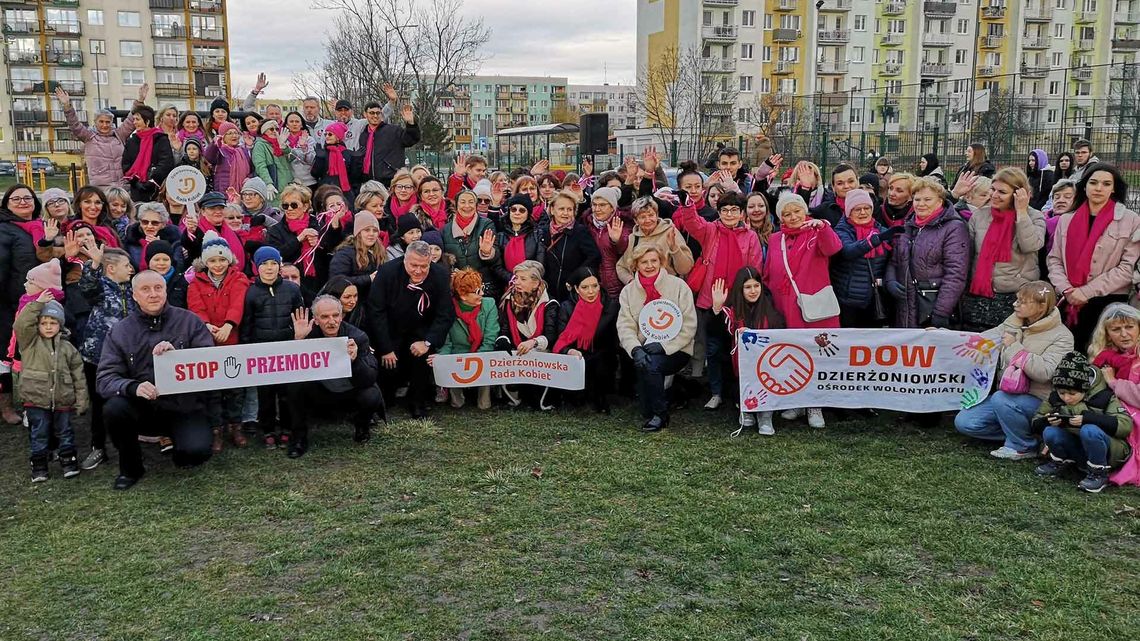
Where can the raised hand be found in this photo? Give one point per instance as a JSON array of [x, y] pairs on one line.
[[70, 245], [587, 167], [262, 83], [408, 114], [62, 96], [650, 160], [615, 228], [631, 170], [497, 193], [965, 184], [51, 229], [460, 164], [1021, 200], [302, 324], [540, 167], [391, 92], [94, 251], [719, 294], [487, 242], [144, 91]]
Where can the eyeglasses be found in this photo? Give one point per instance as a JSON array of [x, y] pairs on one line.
[[233, 217], [272, 129], [373, 112], [518, 208], [290, 205], [404, 187], [483, 201], [249, 193], [143, 221], [433, 190], [22, 199], [730, 209]]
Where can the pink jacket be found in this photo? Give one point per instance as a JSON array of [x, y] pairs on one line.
[[1128, 391], [708, 234], [808, 255]]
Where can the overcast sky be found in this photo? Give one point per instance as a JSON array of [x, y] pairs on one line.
[[587, 41]]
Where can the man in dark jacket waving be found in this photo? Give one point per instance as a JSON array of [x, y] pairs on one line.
[[409, 315], [382, 145], [126, 379]]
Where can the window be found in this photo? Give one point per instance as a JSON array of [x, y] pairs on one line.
[[130, 48], [129, 19], [746, 83], [960, 56], [99, 76], [706, 18], [748, 18], [963, 27], [1051, 116], [1059, 30], [744, 114], [766, 85], [745, 52], [133, 77], [95, 17], [98, 46], [1061, 4], [789, 54], [896, 26], [767, 54], [1058, 58], [860, 23], [856, 116], [790, 22], [1054, 87], [767, 22], [858, 53]]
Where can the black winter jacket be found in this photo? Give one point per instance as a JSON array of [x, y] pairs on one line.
[[17, 256], [535, 250], [506, 342], [393, 320], [161, 163], [853, 274], [389, 142], [605, 338], [268, 314], [573, 249], [365, 369], [344, 264]]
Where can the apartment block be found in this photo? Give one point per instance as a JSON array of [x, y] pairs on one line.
[[101, 53], [477, 108], [619, 101], [910, 63]]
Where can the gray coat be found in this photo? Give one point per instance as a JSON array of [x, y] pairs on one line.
[[941, 254]]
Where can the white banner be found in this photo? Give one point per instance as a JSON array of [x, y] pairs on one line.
[[214, 368], [910, 370], [503, 368]]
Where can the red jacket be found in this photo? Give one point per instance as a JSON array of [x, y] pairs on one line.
[[808, 254], [709, 235], [611, 252], [456, 184], [219, 305]]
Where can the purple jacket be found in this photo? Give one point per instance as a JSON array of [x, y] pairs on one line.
[[941, 254], [103, 153], [128, 360], [222, 169]]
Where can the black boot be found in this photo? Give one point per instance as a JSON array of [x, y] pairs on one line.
[[1097, 479], [70, 464], [655, 424], [1053, 467], [362, 434], [39, 468]]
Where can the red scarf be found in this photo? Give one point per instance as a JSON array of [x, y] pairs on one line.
[[539, 320], [842, 202], [582, 326], [337, 167], [368, 150], [729, 258], [471, 321], [997, 247], [536, 213], [273, 142], [438, 215], [556, 232], [462, 224], [140, 169], [106, 234], [1122, 363], [515, 252], [923, 222], [399, 209], [307, 253], [864, 232], [649, 284], [1081, 241], [35, 229]]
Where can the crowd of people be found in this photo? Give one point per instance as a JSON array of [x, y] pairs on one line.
[[317, 228]]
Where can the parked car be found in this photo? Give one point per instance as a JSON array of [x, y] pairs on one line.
[[7, 168], [671, 175], [43, 164]]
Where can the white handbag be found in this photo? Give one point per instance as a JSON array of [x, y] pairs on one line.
[[813, 307]]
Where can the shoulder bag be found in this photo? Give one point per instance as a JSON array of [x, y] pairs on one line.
[[813, 307]]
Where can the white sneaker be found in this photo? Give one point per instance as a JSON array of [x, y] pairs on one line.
[[792, 414], [815, 418], [441, 395], [764, 424], [714, 402], [747, 419], [1010, 454]]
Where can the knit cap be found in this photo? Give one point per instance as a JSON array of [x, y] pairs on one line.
[[52, 309], [338, 129], [483, 189], [433, 238], [364, 220], [269, 123], [253, 183], [220, 103], [1073, 372], [790, 197], [214, 245], [608, 194], [226, 126], [871, 180], [55, 193], [46, 275], [266, 253], [407, 223], [856, 197], [158, 247], [520, 199]]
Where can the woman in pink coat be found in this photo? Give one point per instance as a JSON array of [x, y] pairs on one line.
[[727, 245]]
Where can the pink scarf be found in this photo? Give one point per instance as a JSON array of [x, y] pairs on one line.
[[197, 135], [438, 214], [140, 169], [997, 247], [649, 284], [273, 142], [337, 167], [401, 208], [237, 159], [307, 253], [864, 232], [582, 327]]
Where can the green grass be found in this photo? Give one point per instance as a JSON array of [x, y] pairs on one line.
[[512, 525]]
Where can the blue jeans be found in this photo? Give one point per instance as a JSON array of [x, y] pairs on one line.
[[249, 406], [1091, 446], [1001, 417], [41, 422]]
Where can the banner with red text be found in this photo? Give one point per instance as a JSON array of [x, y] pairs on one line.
[[214, 368], [504, 368], [910, 370]]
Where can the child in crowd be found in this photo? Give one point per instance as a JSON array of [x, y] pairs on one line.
[[159, 256], [106, 284], [268, 317], [217, 296], [1083, 423], [748, 305], [52, 386], [408, 231]]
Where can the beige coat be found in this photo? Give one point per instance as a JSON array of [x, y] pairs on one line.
[[1113, 260], [1047, 341], [678, 263], [1028, 239], [632, 300]]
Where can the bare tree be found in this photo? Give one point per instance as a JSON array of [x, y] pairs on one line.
[[422, 48], [1001, 125]]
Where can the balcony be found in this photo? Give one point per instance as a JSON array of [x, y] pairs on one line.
[[63, 3], [834, 36], [932, 39], [786, 5], [215, 6], [1038, 14], [890, 101], [1034, 71], [208, 91], [833, 99], [1031, 102], [891, 69], [168, 4], [832, 67], [1082, 73], [177, 32], [16, 27], [1126, 17], [935, 69], [214, 35], [718, 65], [1124, 72], [933, 100], [782, 99], [992, 42], [894, 8], [67, 145], [169, 62], [1036, 42], [73, 87], [987, 71], [1084, 17], [721, 98], [208, 62], [31, 146], [22, 57], [57, 116], [1126, 42], [71, 28], [30, 117], [724, 33], [940, 9], [784, 35], [783, 67], [891, 39], [1085, 44], [171, 90], [65, 58], [993, 13], [835, 5]]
